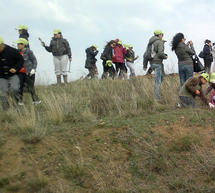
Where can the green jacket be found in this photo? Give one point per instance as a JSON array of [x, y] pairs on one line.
[[158, 50], [184, 54], [189, 89]]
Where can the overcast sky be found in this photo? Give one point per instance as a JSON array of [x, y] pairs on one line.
[[86, 22]]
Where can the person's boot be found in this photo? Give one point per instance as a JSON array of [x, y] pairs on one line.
[[58, 79], [65, 79]]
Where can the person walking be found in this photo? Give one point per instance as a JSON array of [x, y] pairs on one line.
[[119, 59], [207, 55], [91, 60], [27, 78], [192, 88], [156, 62], [106, 56], [11, 63], [60, 49], [130, 59], [184, 53]]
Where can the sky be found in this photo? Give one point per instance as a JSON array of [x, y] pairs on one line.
[[87, 22]]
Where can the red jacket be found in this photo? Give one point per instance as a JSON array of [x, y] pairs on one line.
[[119, 54]]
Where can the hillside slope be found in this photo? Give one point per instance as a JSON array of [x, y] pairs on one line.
[[107, 137]]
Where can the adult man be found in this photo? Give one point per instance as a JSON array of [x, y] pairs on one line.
[[156, 62], [90, 63], [10, 64], [60, 49]]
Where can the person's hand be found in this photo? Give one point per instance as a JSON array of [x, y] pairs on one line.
[[197, 92], [191, 42], [211, 105], [13, 70], [33, 71], [70, 59], [166, 56]]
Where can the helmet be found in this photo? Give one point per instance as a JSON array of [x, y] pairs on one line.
[[130, 46], [120, 42], [57, 31], [95, 46], [21, 27], [205, 76], [158, 32], [109, 63], [212, 77], [164, 40], [22, 41], [1, 40]]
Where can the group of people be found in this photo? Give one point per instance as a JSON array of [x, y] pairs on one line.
[[18, 66], [116, 58]]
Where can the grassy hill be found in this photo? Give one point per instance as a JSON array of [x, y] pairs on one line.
[[107, 137]]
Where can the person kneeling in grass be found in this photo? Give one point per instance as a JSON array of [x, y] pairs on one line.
[[192, 88], [30, 65]]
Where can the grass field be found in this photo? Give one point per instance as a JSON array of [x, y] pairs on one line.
[[105, 136]]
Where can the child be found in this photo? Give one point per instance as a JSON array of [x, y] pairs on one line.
[[192, 88], [30, 64]]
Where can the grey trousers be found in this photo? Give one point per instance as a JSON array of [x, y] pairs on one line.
[[9, 86]]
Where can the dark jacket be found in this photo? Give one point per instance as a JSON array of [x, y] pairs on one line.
[[10, 58], [158, 49], [207, 52], [24, 34], [130, 56], [91, 57], [59, 47], [184, 54], [189, 89], [107, 53], [30, 60]]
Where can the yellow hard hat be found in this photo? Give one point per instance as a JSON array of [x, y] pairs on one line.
[[205, 76], [21, 27], [1, 40], [158, 32], [212, 77], [22, 41], [95, 46], [57, 31]]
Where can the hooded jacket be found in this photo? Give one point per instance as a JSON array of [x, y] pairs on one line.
[[10, 58], [184, 54], [119, 54], [59, 47], [158, 50], [91, 57]]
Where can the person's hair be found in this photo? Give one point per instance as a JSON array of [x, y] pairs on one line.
[[110, 42], [207, 41], [176, 40]]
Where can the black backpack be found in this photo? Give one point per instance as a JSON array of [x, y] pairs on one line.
[[147, 56]]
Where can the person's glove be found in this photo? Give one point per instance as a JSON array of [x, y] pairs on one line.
[[33, 71], [211, 105]]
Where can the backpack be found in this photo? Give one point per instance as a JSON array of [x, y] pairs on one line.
[[201, 54], [149, 54]]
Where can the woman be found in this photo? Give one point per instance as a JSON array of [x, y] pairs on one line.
[[107, 60], [184, 53], [208, 57], [119, 59]]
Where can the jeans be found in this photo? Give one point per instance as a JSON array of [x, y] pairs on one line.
[[185, 72], [187, 101], [159, 77], [8, 86]]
